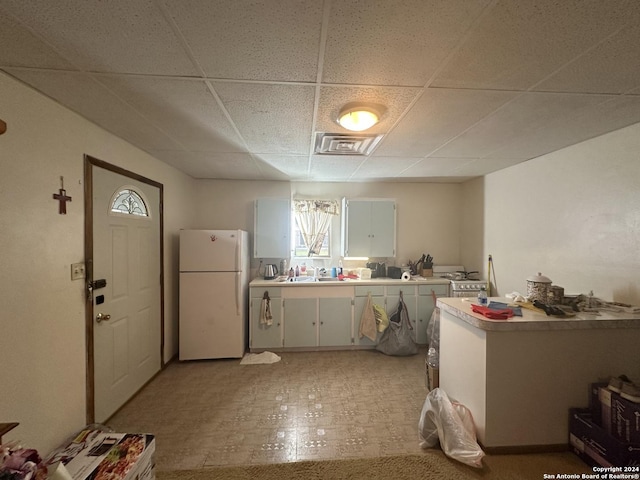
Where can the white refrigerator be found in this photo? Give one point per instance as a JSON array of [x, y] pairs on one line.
[[214, 284]]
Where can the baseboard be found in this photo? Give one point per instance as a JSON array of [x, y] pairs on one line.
[[520, 449]]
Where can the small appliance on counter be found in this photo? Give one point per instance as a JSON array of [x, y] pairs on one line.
[[270, 271], [394, 272], [378, 269]]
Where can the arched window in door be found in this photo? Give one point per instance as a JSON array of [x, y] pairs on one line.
[[128, 201]]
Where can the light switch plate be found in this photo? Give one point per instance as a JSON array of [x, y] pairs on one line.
[[77, 271]]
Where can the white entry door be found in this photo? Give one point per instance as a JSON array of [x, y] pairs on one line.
[[127, 310]]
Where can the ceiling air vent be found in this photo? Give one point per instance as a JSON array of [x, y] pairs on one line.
[[345, 144]]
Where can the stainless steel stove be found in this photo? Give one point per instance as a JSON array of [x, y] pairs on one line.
[[463, 283]]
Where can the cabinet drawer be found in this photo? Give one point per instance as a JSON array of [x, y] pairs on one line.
[[440, 290], [258, 292], [372, 289], [406, 290]]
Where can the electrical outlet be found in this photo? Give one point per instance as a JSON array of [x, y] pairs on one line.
[[77, 271]]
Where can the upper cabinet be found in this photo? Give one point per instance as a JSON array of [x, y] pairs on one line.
[[272, 228], [368, 228]]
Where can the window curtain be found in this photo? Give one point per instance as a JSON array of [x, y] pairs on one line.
[[314, 218]]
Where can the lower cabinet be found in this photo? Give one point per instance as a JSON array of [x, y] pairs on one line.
[[323, 318], [300, 322], [313, 317], [336, 327], [426, 306], [409, 296], [263, 336], [362, 293]]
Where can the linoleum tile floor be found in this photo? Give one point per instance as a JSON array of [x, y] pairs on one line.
[[307, 406]]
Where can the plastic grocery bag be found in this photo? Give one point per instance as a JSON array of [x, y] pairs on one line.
[[397, 339], [451, 424]]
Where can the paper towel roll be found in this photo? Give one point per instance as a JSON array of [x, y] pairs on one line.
[[405, 276]]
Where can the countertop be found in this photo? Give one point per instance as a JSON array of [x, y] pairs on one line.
[[416, 280], [533, 320]]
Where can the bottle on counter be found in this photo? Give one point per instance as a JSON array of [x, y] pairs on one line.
[[340, 267], [433, 358], [297, 271], [482, 296], [291, 272]]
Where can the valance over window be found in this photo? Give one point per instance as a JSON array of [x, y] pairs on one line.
[[314, 218]]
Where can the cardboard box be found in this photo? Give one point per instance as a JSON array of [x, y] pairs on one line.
[[625, 419], [594, 402], [595, 446], [98, 455], [604, 398], [619, 416]]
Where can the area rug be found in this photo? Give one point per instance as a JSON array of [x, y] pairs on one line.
[[432, 465]]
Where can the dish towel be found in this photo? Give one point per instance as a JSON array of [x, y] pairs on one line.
[[491, 313], [368, 321], [265, 310]]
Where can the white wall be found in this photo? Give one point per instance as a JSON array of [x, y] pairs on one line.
[[573, 215], [428, 215], [42, 324]]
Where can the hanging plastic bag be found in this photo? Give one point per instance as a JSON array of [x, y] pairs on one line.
[[397, 339], [450, 424], [368, 321]]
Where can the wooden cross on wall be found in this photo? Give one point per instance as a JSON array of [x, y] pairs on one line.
[[62, 197]]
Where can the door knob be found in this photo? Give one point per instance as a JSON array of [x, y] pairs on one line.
[[102, 317]]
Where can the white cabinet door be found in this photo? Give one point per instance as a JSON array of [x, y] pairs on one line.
[[272, 228], [265, 336], [426, 306], [300, 322], [410, 300], [369, 228], [335, 315], [383, 229]]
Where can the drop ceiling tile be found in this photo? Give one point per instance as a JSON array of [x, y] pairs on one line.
[[252, 40], [437, 117], [185, 108], [335, 168], [520, 43], [295, 166], [394, 101], [383, 167], [270, 118], [611, 67], [615, 113], [525, 114], [21, 48], [434, 167], [113, 36], [213, 165], [393, 43], [484, 166], [80, 93]]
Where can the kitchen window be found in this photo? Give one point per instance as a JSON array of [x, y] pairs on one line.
[[311, 227]]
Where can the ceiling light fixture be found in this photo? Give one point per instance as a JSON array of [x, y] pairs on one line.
[[358, 117]]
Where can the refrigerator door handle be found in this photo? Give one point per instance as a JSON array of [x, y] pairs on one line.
[[238, 287], [238, 252]]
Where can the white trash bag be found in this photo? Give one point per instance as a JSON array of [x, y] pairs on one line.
[[451, 424]]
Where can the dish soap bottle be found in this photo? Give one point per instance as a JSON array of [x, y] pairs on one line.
[[482, 296]]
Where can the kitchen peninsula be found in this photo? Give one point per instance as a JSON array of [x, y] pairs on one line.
[[520, 376], [325, 315]]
